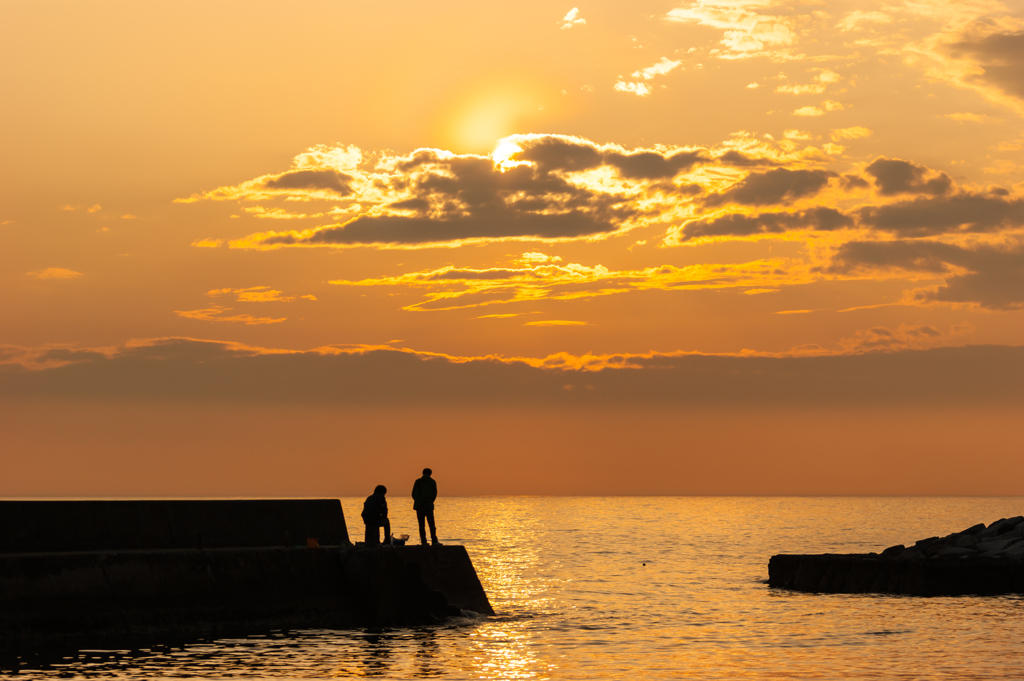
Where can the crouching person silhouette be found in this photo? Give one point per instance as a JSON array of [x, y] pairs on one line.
[[424, 493], [375, 516]]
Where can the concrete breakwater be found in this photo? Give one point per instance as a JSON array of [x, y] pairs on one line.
[[983, 560], [126, 572]]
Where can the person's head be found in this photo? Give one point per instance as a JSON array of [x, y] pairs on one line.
[[380, 489], [427, 472]]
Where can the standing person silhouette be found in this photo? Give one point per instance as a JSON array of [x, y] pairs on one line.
[[375, 516], [424, 493]]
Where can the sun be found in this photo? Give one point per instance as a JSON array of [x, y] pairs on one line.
[[480, 117]]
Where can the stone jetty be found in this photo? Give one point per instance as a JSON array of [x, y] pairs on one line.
[[128, 573], [983, 560]]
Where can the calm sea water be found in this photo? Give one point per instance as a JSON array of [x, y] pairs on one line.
[[645, 587]]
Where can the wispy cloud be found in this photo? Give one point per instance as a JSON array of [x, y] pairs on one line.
[[451, 288], [853, 133], [824, 78], [207, 243], [257, 294], [54, 273], [746, 30], [217, 313], [572, 18], [641, 89], [555, 322]]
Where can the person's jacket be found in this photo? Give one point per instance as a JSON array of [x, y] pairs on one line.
[[375, 509], [424, 493]]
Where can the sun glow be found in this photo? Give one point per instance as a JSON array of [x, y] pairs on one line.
[[503, 153]]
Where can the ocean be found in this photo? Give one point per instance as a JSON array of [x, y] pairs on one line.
[[641, 587]]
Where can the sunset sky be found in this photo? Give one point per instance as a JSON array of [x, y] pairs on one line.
[[698, 247]]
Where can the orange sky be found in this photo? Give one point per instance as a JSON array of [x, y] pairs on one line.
[[350, 216]]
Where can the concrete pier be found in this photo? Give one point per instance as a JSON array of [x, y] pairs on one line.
[[252, 570]]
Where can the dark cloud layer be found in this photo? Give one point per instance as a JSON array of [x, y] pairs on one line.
[[197, 371], [929, 216], [893, 176], [778, 186], [329, 179], [1001, 56], [467, 197], [736, 224], [994, 277], [560, 154]]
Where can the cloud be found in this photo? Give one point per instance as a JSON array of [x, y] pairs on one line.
[[54, 273], [534, 187], [778, 186], [853, 133], [276, 213], [638, 89], [808, 111], [893, 176], [854, 21], [189, 370], [572, 18], [662, 67], [990, 277], [905, 337], [963, 212], [999, 57], [555, 322], [215, 313], [556, 188], [207, 243], [256, 294], [450, 288], [95, 208], [742, 225], [321, 178], [321, 172], [824, 78], [746, 31], [968, 117]]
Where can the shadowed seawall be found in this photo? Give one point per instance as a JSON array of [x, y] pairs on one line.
[[79, 572]]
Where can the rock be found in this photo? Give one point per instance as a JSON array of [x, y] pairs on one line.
[[912, 553], [992, 530], [965, 541], [980, 560], [1015, 533], [1010, 524], [956, 551], [1015, 551], [994, 545], [1002, 526]]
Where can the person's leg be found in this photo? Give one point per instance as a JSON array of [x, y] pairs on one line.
[[387, 532], [372, 537], [433, 529], [420, 517]]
